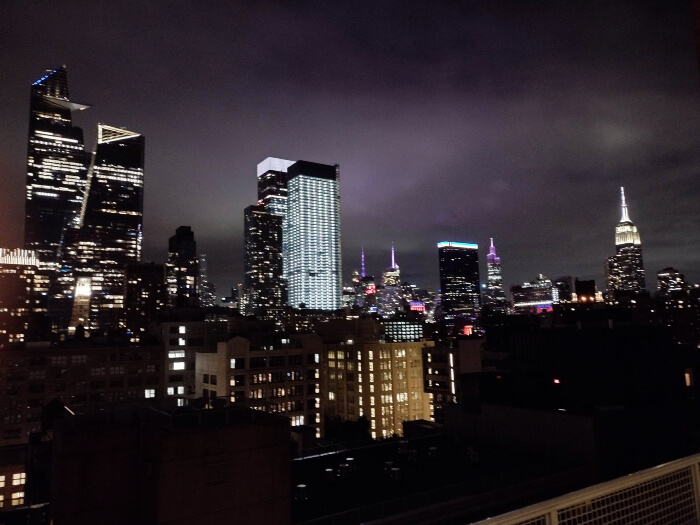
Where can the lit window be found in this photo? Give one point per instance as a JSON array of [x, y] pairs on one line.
[[2, 500], [149, 393], [181, 329], [19, 479], [17, 498], [2, 481], [177, 365], [180, 390], [174, 354], [171, 390], [181, 341]]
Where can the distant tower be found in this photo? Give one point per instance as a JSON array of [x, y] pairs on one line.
[[495, 297], [262, 263], [108, 234], [670, 282], [459, 281], [312, 236], [207, 290], [625, 270], [390, 295], [182, 269], [56, 167]]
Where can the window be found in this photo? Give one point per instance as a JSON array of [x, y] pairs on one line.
[[182, 329], [174, 354], [181, 341], [171, 391], [180, 390], [237, 363], [19, 479], [79, 359], [41, 374], [212, 379], [177, 365], [149, 393], [17, 498], [205, 379], [2, 481], [2, 500]]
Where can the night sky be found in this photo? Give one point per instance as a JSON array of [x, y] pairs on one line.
[[460, 121]]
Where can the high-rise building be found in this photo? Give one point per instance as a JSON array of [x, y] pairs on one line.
[[534, 297], [145, 297], [272, 184], [670, 282], [207, 289], [625, 270], [459, 281], [390, 296], [56, 167], [262, 263], [495, 297], [108, 234], [311, 231], [18, 271], [181, 269]]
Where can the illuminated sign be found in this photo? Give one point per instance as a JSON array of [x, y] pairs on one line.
[[468, 330], [417, 306], [371, 289]]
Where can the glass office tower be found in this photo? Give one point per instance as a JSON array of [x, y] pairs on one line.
[[109, 232], [312, 236], [459, 281], [56, 167]]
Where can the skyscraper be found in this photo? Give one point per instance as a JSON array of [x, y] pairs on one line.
[[495, 297], [56, 167], [108, 234], [206, 288], [262, 263], [534, 297], [145, 297], [625, 270], [182, 269], [272, 184], [312, 236], [459, 281], [390, 294]]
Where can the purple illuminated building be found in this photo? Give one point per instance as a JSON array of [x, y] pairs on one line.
[[495, 297]]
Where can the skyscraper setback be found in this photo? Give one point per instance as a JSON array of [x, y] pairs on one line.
[[56, 167], [312, 236]]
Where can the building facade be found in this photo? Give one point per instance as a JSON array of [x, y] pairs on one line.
[[459, 282], [56, 167], [182, 269], [282, 377], [262, 263], [312, 262], [19, 276], [381, 381], [109, 232]]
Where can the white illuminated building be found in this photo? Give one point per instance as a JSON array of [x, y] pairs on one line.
[[312, 236]]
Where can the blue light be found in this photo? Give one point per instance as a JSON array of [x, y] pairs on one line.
[[448, 244]]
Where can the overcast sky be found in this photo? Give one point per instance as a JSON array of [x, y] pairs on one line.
[[460, 121]]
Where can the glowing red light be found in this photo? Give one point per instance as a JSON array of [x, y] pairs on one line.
[[418, 306], [468, 330], [371, 289]]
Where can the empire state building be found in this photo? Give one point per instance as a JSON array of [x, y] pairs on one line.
[[625, 270]]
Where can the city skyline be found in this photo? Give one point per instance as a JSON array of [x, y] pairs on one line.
[[578, 115]]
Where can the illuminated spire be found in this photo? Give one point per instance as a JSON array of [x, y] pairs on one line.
[[362, 271], [393, 258], [492, 258], [625, 215]]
